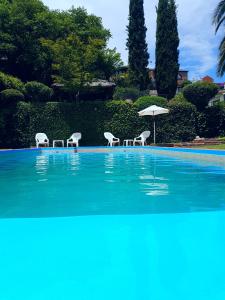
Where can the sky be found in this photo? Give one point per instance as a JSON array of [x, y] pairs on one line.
[[198, 42]]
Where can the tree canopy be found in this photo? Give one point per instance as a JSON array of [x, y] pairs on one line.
[[39, 44], [219, 21], [137, 46], [167, 53]]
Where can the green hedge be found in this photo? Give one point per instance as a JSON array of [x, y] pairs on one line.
[[60, 120], [10, 82], [38, 92], [10, 97], [146, 101]]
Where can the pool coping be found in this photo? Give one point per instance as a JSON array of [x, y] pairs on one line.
[[155, 148]]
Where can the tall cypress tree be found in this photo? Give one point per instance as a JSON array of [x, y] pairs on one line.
[[167, 53], [137, 46]]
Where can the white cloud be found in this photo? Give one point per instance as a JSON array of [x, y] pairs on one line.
[[198, 46]]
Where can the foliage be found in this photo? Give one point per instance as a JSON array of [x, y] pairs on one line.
[[81, 54], [36, 91], [218, 21], [10, 82], [211, 122], [60, 120], [37, 43], [179, 98], [121, 80], [146, 101], [185, 83], [10, 96], [199, 93], [126, 93], [137, 46], [22, 25], [167, 53]]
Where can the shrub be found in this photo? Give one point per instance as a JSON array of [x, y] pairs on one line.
[[38, 92], [185, 83], [145, 101], [126, 93], [182, 121], [199, 93], [10, 82], [214, 122], [10, 96], [179, 98], [60, 120]]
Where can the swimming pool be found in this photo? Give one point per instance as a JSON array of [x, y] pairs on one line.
[[111, 225]]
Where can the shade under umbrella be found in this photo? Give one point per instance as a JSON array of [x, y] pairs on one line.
[[153, 110]]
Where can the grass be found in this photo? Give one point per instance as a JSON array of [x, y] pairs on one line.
[[216, 147]]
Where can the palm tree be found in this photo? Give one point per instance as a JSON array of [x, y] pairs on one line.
[[218, 21]]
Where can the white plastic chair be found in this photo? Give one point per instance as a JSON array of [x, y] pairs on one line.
[[41, 140], [112, 140], [74, 139], [141, 139]]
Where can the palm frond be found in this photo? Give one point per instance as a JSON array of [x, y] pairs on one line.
[[221, 63], [219, 14]]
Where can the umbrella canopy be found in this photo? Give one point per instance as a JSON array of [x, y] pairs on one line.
[[153, 110]]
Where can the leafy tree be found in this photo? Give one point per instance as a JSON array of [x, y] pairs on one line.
[[81, 54], [199, 93], [34, 39], [22, 24], [167, 53], [137, 46], [218, 21]]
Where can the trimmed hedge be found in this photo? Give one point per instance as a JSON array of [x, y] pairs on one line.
[[60, 120], [199, 93], [38, 92], [10, 97], [10, 82], [211, 122], [146, 101]]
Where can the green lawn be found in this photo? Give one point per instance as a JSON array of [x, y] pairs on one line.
[[219, 147]]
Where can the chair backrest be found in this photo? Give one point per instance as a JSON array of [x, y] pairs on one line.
[[145, 134], [41, 137], [108, 135], [76, 136]]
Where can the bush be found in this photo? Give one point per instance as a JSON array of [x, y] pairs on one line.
[[145, 101], [126, 93], [211, 123], [10, 82], [10, 96], [199, 93], [179, 98], [38, 92], [185, 83], [60, 120]]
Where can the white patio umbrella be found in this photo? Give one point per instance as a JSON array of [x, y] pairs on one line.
[[153, 110]]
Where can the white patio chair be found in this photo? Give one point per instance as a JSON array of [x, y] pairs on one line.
[[112, 140], [41, 140], [74, 139], [141, 139]]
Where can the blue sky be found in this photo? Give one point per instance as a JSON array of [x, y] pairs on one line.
[[198, 45]]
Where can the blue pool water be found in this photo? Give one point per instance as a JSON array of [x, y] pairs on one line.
[[94, 226]]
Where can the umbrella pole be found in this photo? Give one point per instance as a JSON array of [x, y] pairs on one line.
[[154, 131]]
